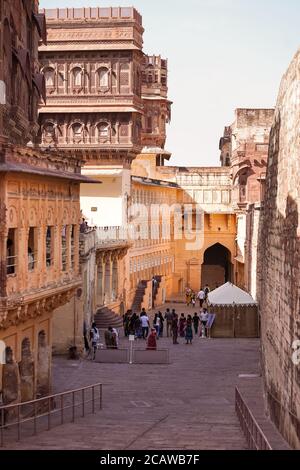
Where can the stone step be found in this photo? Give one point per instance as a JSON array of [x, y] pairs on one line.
[[106, 317]]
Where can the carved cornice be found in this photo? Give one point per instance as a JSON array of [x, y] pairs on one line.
[[109, 253], [13, 313]]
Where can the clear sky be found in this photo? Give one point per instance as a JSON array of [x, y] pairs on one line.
[[223, 54]]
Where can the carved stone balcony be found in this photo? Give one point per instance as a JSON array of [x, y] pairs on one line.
[[103, 238], [86, 102]]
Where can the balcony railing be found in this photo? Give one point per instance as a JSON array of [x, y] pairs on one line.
[[111, 235], [103, 237]]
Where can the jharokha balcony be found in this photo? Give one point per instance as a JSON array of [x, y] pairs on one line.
[[105, 134]]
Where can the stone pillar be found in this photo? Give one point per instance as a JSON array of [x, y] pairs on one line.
[[108, 279], [3, 250], [130, 131], [21, 251], [68, 248], [40, 262], [117, 131], [115, 269], [100, 281], [57, 250]]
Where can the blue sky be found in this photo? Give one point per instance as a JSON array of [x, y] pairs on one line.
[[222, 54]]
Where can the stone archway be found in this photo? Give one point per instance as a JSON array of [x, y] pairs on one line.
[[216, 267], [43, 366], [26, 369]]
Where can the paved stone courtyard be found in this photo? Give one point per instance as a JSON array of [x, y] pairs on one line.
[[187, 404]]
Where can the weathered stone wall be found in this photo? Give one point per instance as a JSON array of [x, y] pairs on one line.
[[278, 270]]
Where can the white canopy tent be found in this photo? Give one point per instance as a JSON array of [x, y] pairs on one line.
[[229, 294]]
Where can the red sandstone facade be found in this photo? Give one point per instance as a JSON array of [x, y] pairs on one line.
[[114, 95], [39, 212]]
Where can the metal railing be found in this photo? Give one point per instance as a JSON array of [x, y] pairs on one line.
[[255, 437], [11, 264], [45, 413]]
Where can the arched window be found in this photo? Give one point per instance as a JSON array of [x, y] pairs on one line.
[[49, 77], [77, 130], [103, 75], [49, 132], [103, 131], [77, 77]]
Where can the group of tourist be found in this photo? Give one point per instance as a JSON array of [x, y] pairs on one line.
[[137, 325], [202, 296], [111, 338], [184, 327]]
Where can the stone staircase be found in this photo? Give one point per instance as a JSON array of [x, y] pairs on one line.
[[138, 298], [106, 317]]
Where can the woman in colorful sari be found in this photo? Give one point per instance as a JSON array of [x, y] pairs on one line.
[[188, 299], [151, 342], [182, 323], [189, 330]]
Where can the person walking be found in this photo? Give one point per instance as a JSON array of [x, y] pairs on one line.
[[145, 324], [206, 290], [138, 328], [126, 321], [132, 324], [189, 330], [161, 331], [182, 323], [169, 317], [188, 294], [156, 324], [201, 297], [196, 320], [175, 328], [95, 338], [203, 318]]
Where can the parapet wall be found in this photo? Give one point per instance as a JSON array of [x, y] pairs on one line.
[[64, 14]]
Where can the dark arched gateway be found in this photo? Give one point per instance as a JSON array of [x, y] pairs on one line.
[[217, 267]]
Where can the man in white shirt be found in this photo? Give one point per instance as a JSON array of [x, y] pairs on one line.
[[145, 325], [203, 319], [95, 338], [201, 297]]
